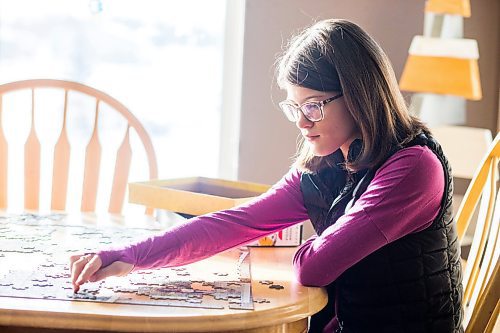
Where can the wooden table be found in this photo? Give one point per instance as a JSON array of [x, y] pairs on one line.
[[288, 310]]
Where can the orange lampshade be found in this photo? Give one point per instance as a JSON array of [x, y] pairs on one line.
[[453, 7], [442, 66]]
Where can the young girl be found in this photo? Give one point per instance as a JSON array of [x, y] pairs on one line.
[[374, 183]]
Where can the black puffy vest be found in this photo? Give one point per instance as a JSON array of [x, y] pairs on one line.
[[410, 285]]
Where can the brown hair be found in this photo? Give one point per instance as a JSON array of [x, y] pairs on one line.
[[337, 55]]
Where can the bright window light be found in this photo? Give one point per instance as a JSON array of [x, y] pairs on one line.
[[160, 58]]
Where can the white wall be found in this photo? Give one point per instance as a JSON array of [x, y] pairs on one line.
[[267, 140]]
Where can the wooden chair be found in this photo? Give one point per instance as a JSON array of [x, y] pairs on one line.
[[481, 278], [62, 149], [464, 147]]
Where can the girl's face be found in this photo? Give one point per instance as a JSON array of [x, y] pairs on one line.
[[336, 130]]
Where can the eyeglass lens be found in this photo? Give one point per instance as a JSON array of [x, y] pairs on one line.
[[311, 111]]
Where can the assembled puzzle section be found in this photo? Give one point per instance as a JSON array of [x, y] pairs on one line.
[[43, 244]]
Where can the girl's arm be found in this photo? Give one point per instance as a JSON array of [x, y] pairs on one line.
[[404, 197], [206, 235]]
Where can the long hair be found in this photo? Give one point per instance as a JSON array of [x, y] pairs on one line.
[[337, 55]]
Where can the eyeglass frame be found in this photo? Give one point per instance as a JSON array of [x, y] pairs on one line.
[[320, 104]]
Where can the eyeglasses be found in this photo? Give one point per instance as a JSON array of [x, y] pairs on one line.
[[313, 111]]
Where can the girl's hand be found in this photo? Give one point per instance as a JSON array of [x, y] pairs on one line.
[[87, 268]]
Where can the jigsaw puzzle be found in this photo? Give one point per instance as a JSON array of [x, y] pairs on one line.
[[43, 244]]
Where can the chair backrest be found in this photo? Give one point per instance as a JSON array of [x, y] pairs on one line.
[[463, 146], [481, 278], [62, 148]]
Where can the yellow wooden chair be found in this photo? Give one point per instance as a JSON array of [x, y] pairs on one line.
[[464, 147], [62, 148], [481, 278]]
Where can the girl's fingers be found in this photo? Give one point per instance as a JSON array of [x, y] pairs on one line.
[[83, 268], [118, 268], [73, 259]]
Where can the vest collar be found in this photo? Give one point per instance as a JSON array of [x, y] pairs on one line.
[[353, 153]]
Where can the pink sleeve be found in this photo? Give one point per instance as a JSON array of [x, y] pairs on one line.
[[404, 197], [206, 235]]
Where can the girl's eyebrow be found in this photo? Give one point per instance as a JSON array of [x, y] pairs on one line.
[[307, 99], [314, 96]]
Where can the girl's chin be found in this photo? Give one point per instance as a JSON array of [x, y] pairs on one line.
[[320, 151]]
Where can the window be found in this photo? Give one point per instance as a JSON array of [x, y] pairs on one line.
[[162, 59]]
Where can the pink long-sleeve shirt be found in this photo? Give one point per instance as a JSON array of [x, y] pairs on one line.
[[404, 197]]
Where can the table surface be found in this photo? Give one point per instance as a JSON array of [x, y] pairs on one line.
[[292, 304]]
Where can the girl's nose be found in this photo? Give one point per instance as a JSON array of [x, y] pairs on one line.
[[302, 121]]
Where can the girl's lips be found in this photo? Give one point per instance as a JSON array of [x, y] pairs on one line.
[[311, 137]]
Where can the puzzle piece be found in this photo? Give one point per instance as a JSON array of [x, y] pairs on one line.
[[276, 286], [266, 282]]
